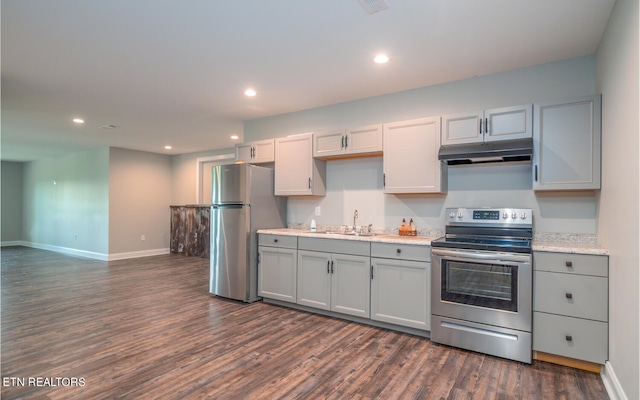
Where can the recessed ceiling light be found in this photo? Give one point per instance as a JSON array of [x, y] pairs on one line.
[[168, 147], [381, 59], [250, 92], [235, 137], [78, 120]]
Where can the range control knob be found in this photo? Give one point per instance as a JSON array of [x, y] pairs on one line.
[[514, 215], [523, 215], [505, 215], [460, 214], [452, 214]]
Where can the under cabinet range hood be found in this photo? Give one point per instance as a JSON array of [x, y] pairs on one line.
[[485, 152]]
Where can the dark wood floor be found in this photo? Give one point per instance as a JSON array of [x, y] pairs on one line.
[[147, 328]]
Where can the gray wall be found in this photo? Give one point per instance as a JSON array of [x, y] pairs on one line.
[[98, 203], [357, 183], [139, 197], [11, 202], [618, 219], [66, 203]]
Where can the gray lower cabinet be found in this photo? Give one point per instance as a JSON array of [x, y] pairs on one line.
[[570, 305], [329, 279], [400, 285], [277, 267]]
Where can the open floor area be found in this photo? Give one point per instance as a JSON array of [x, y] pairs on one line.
[[147, 328]]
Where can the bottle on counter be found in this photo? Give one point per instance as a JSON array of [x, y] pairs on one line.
[[403, 227]]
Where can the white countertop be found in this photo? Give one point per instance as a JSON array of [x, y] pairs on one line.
[[570, 247], [419, 240], [557, 247]]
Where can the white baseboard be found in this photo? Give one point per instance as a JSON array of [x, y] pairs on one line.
[[137, 254], [68, 250], [90, 254], [611, 383], [12, 243]]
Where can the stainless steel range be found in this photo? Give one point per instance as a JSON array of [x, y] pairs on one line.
[[481, 282]]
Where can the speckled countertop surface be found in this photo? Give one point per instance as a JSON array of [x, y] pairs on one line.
[[570, 247], [557, 246], [420, 240]]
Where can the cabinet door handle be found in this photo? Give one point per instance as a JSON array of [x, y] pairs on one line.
[[346, 142], [342, 144], [480, 131], [372, 272], [486, 125], [328, 264], [309, 183], [569, 295], [568, 264], [568, 338], [275, 240], [535, 169], [398, 251], [258, 258], [384, 180], [332, 267]]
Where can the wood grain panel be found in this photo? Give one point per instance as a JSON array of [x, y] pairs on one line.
[[147, 328]]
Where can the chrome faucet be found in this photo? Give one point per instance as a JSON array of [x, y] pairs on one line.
[[355, 218]]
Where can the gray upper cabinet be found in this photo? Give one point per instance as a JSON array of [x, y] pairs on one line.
[[410, 158], [262, 151], [489, 125], [567, 145], [297, 173], [346, 142]]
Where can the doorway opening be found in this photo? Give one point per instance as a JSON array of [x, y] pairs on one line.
[[203, 174]]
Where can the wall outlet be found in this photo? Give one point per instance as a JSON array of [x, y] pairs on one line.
[[318, 211], [143, 238]]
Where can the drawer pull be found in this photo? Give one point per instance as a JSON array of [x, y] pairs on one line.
[[398, 251], [569, 295], [275, 240], [568, 264], [569, 338]]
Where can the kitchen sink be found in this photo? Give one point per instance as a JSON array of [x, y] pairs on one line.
[[343, 233], [356, 233]]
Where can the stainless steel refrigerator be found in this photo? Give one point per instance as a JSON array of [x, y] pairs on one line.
[[242, 202]]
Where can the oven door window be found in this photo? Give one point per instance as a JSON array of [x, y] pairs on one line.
[[478, 284]]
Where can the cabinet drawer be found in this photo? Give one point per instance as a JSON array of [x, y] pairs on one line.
[[353, 247], [401, 251], [588, 339], [289, 242], [571, 295], [582, 264]]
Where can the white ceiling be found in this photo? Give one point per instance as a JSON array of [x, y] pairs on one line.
[[174, 72]]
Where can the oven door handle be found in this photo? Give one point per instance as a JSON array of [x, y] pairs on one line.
[[473, 255]]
